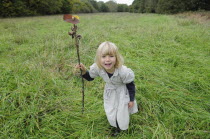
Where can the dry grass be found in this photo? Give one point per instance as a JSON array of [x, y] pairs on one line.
[[199, 17]]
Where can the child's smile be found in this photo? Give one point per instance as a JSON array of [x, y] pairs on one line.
[[108, 63]]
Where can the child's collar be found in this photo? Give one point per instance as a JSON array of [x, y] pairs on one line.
[[116, 72]]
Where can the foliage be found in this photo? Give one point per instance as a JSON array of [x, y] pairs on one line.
[[94, 4], [168, 6], [67, 6], [112, 6], [83, 6], [104, 8], [40, 92], [14, 8], [122, 8]]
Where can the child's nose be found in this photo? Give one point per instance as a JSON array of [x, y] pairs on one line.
[[107, 58]]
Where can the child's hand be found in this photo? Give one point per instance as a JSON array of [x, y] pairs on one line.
[[82, 67], [130, 104]]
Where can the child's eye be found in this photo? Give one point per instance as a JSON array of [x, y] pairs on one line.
[[103, 56], [111, 56]]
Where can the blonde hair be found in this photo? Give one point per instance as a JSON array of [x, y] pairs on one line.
[[108, 48]]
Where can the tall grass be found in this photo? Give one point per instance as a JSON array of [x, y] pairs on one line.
[[40, 91]]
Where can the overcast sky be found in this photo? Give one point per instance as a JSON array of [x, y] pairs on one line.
[[128, 2]]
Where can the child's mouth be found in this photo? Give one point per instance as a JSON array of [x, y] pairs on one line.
[[108, 64]]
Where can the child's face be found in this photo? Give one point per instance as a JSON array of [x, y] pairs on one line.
[[108, 62]]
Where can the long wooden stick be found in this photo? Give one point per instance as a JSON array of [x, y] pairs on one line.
[[77, 38]]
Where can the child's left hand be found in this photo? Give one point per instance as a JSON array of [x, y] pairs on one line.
[[130, 104]]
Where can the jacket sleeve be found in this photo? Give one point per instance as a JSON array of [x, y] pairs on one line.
[[126, 74], [87, 76], [94, 71], [131, 90]]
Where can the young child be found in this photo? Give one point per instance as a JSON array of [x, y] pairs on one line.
[[119, 91]]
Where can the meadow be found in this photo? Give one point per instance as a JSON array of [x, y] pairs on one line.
[[40, 90]]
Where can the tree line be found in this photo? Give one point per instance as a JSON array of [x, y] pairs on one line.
[[14, 8], [169, 6]]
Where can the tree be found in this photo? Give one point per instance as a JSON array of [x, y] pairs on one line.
[[6, 8], [104, 8], [142, 8], [10, 8], [135, 6], [112, 6], [139, 6], [49, 6], [170, 6], [150, 6], [95, 5], [122, 8], [66, 6], [84, 6]]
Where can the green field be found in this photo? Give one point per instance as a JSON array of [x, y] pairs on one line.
[[40, 91]]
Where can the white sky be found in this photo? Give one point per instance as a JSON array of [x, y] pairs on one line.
[[128, 2]]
